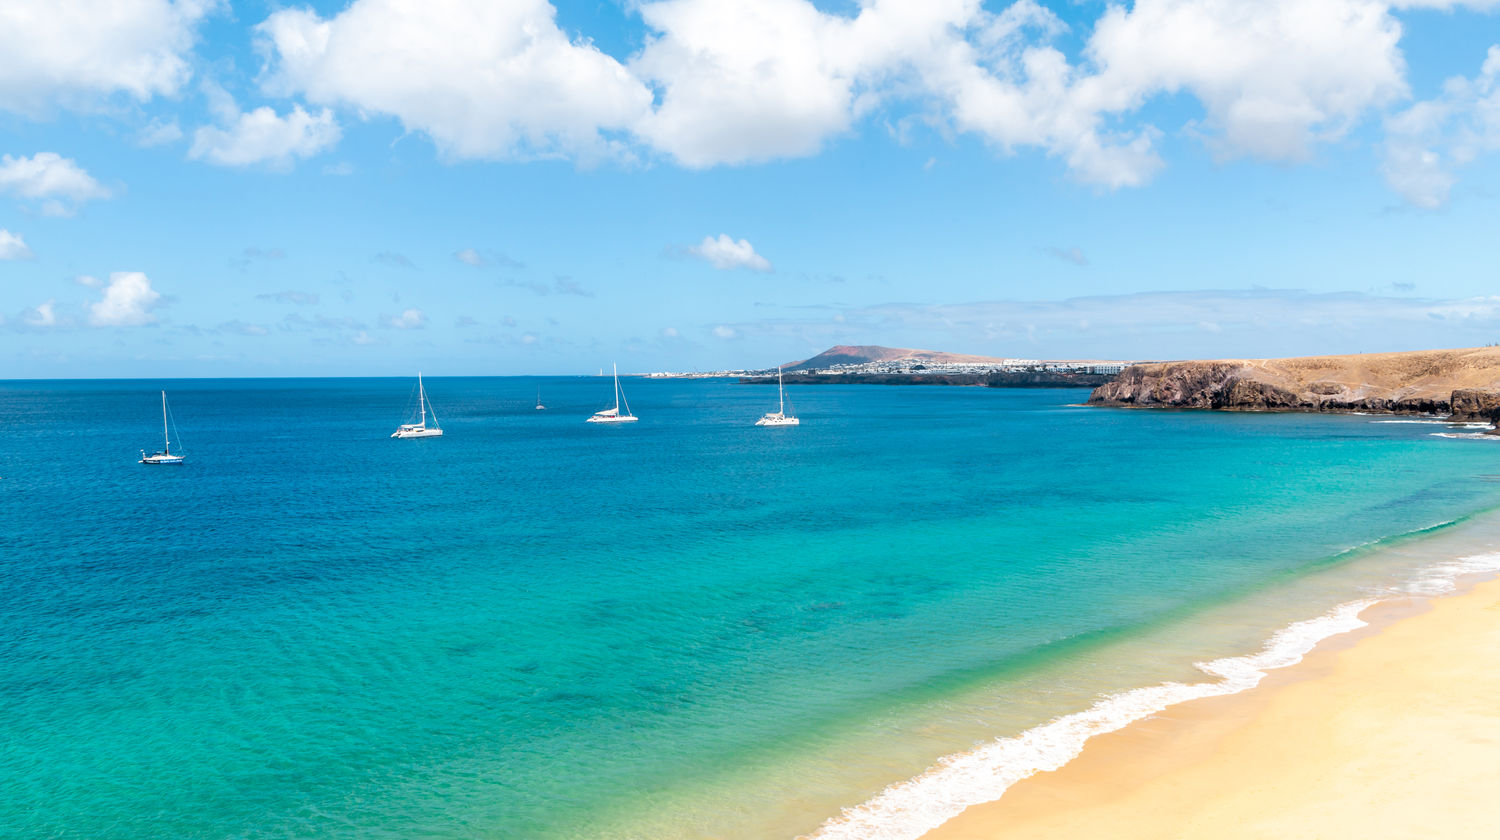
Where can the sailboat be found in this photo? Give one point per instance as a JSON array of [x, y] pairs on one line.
[[613, 415], [165, 456], [539, 406], [420, 428], [779, 416]]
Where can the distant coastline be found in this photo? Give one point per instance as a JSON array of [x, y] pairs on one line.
[[875, 365], [990, 379]]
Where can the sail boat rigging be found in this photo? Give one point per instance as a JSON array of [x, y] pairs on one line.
[[779, 416], [613, 415], [165, 456], [420, 428]]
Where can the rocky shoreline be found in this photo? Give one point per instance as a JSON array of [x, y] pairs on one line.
[[1461, 384]]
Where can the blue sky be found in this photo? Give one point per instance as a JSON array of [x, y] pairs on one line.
[[517, 187]]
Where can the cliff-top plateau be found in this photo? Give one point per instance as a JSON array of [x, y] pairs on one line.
[[1463, 383]]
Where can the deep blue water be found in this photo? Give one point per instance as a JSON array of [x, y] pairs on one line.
[[534, 627]]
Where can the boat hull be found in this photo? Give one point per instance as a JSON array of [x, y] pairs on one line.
[[417, 433], [601, 418], [163, 459], [772, 420]]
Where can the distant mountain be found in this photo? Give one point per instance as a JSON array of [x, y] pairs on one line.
[[846, 354]]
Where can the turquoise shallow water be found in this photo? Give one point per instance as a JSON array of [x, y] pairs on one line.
[[688, 627]]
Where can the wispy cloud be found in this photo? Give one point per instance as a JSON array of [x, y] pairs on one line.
[[1158, 325], [295, 322], [392, 258], [13, 247], [560, 285], [484, 259], [1428, 141], [290, 296], [568, 286], [1072, 255], [41, 316], [238, 327], [254, 254], [159, 132]]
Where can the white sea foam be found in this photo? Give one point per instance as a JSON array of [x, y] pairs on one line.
[[1419, 420], [1443, 577], [1466, 435], [912, 808]]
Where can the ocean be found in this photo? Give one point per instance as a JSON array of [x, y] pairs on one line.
[[686, 627]]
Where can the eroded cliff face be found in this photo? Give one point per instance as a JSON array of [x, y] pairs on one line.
[[1473, 404], [1195, 385], [1463, 382]]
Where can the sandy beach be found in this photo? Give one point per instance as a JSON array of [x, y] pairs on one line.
[[1391, 731]]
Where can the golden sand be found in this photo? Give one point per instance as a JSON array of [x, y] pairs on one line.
[[1389, 732]]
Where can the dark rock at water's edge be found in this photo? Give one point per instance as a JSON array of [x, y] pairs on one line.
[[1472, 404], [1046, 379], [993, 379]]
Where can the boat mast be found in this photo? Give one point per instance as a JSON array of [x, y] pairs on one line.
[[422, 399], [164, 436], [780, 393], [617, 388]]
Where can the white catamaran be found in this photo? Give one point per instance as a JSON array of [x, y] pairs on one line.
[[420, 428], [779, 416], [613, 415], [165, 456]]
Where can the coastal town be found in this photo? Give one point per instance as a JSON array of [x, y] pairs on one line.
[[846, 362]]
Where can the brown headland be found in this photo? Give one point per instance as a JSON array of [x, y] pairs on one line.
[[1464, 383]]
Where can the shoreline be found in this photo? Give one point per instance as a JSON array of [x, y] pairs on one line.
[[1380, 731], [1403, 575]]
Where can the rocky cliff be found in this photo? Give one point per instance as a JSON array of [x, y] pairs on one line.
[[1465, 383]]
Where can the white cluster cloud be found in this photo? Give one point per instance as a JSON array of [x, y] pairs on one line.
[[58, 182], [484, 79], [74, 52], [127, 302], [724, 253], [737, 82], [1427, 141], [1448, 5], [1275, 77], [744, 82], [13, 247], [729, 82], [263, 136]]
